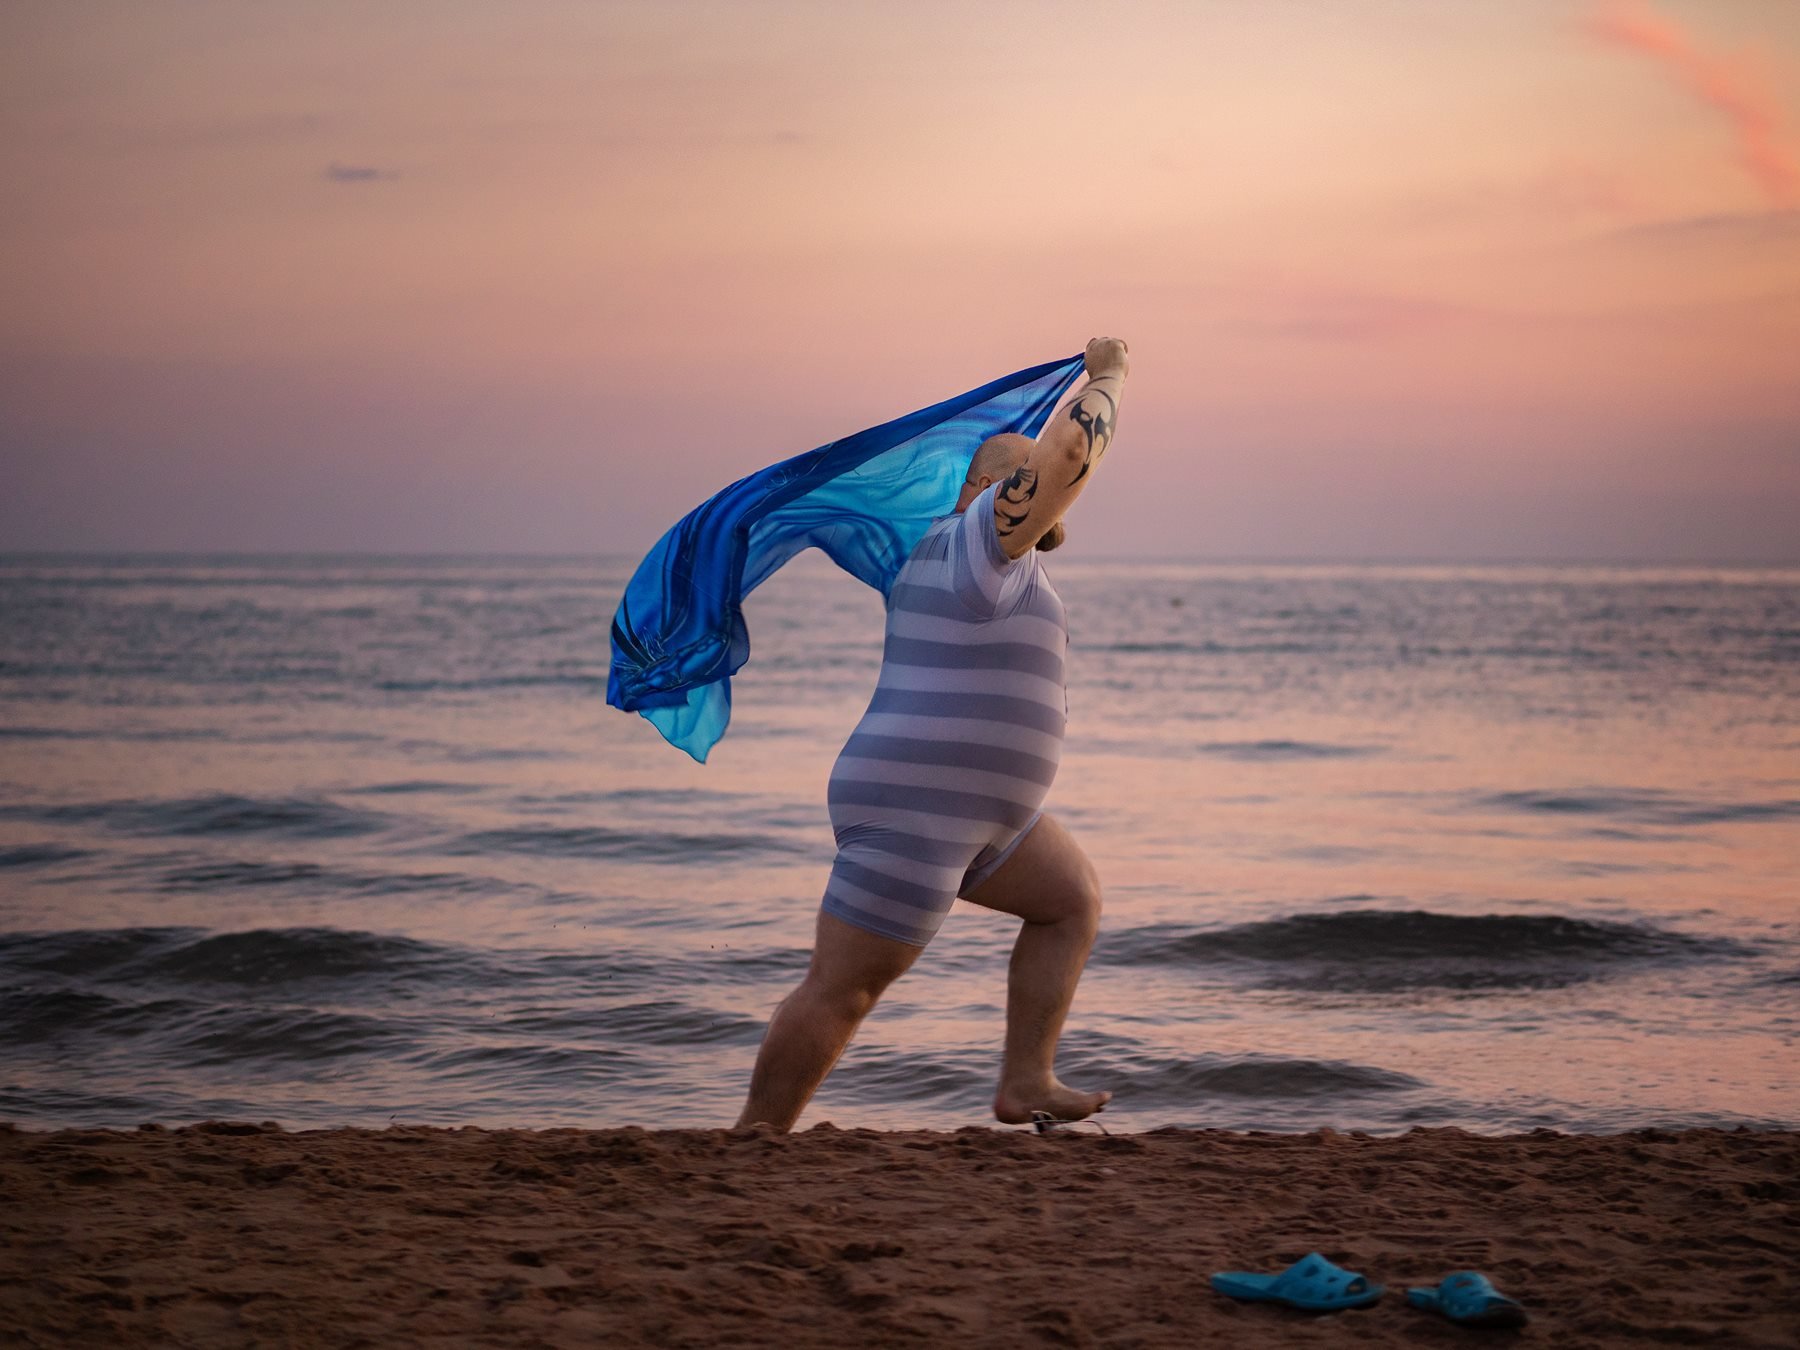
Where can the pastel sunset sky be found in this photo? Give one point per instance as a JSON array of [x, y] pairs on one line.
[[1403, 279]]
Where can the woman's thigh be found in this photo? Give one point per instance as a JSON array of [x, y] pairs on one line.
[[1047, 878]]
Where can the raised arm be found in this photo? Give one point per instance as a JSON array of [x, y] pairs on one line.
[[1030, 502]]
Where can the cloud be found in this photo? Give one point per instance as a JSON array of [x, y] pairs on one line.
[[1734, 227], [1330, 314], [359, 173], [1558, 192], [140, 134], [1722, 82]]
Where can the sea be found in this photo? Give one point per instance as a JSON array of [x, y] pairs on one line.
[[356, 840]]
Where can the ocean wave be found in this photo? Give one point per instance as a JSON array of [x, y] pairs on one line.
[[1153, 1082], [234, 875], [208, 875], [283, 956], [83, 951], [597, 841], [1211, 648], [35, 1016], [1392, 950], [896, 1076], [1146, 1076], [459, 753], [1644, 806], [348, 961], [248, 1037], [414, 785], [103, 734], [508, 1064], [1139, 1079], [39, 855], [191, 1033], [658, 1022], [214, 813], [1331, 854], [613, 972], [593, 681], [156, 734], [663, 798], [1261, 752], [190, 956], [62, 1105], [741, 966], [677, 806]]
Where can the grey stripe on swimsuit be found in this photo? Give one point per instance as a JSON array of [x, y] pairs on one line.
[[950, 764]]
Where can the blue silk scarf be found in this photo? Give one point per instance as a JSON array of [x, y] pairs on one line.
[[865, 501]]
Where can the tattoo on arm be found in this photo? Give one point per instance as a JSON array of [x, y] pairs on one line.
[[1012, 503], [1097, 422]]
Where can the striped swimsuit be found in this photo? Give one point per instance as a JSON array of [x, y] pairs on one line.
[[946, 772]]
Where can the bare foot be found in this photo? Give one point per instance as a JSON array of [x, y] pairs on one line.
[[1013, 1106]]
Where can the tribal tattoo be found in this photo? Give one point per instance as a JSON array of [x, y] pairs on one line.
[[1015, 493], [1097, 423]]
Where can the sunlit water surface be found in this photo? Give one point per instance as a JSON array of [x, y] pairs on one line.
[[346, 840]]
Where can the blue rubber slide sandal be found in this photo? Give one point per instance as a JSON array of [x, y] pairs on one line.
[[1312, 1283], [1467, 1299]]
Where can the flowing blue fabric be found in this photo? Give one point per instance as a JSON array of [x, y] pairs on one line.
[[866, 501]]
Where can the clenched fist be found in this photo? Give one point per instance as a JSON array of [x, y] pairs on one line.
[[1107, 356]]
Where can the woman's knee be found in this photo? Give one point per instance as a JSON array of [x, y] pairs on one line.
[[1086, 903], [1074, 899], [851, 967]]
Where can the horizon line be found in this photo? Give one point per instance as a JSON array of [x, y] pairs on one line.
[[1223, 560]]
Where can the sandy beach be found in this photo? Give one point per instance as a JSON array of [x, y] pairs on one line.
[[233, 1233]]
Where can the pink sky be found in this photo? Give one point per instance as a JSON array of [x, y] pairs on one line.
[[1402, 279]]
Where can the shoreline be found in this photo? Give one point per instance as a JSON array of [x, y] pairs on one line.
[[225, 1233]]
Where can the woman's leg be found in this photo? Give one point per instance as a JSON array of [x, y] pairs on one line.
[[850, 969], [1050, 884]]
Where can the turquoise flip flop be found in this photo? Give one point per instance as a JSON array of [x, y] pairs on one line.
[[1467, 1299], [1312, 1283]]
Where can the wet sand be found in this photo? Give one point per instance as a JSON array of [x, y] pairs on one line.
[[229, 1234]]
